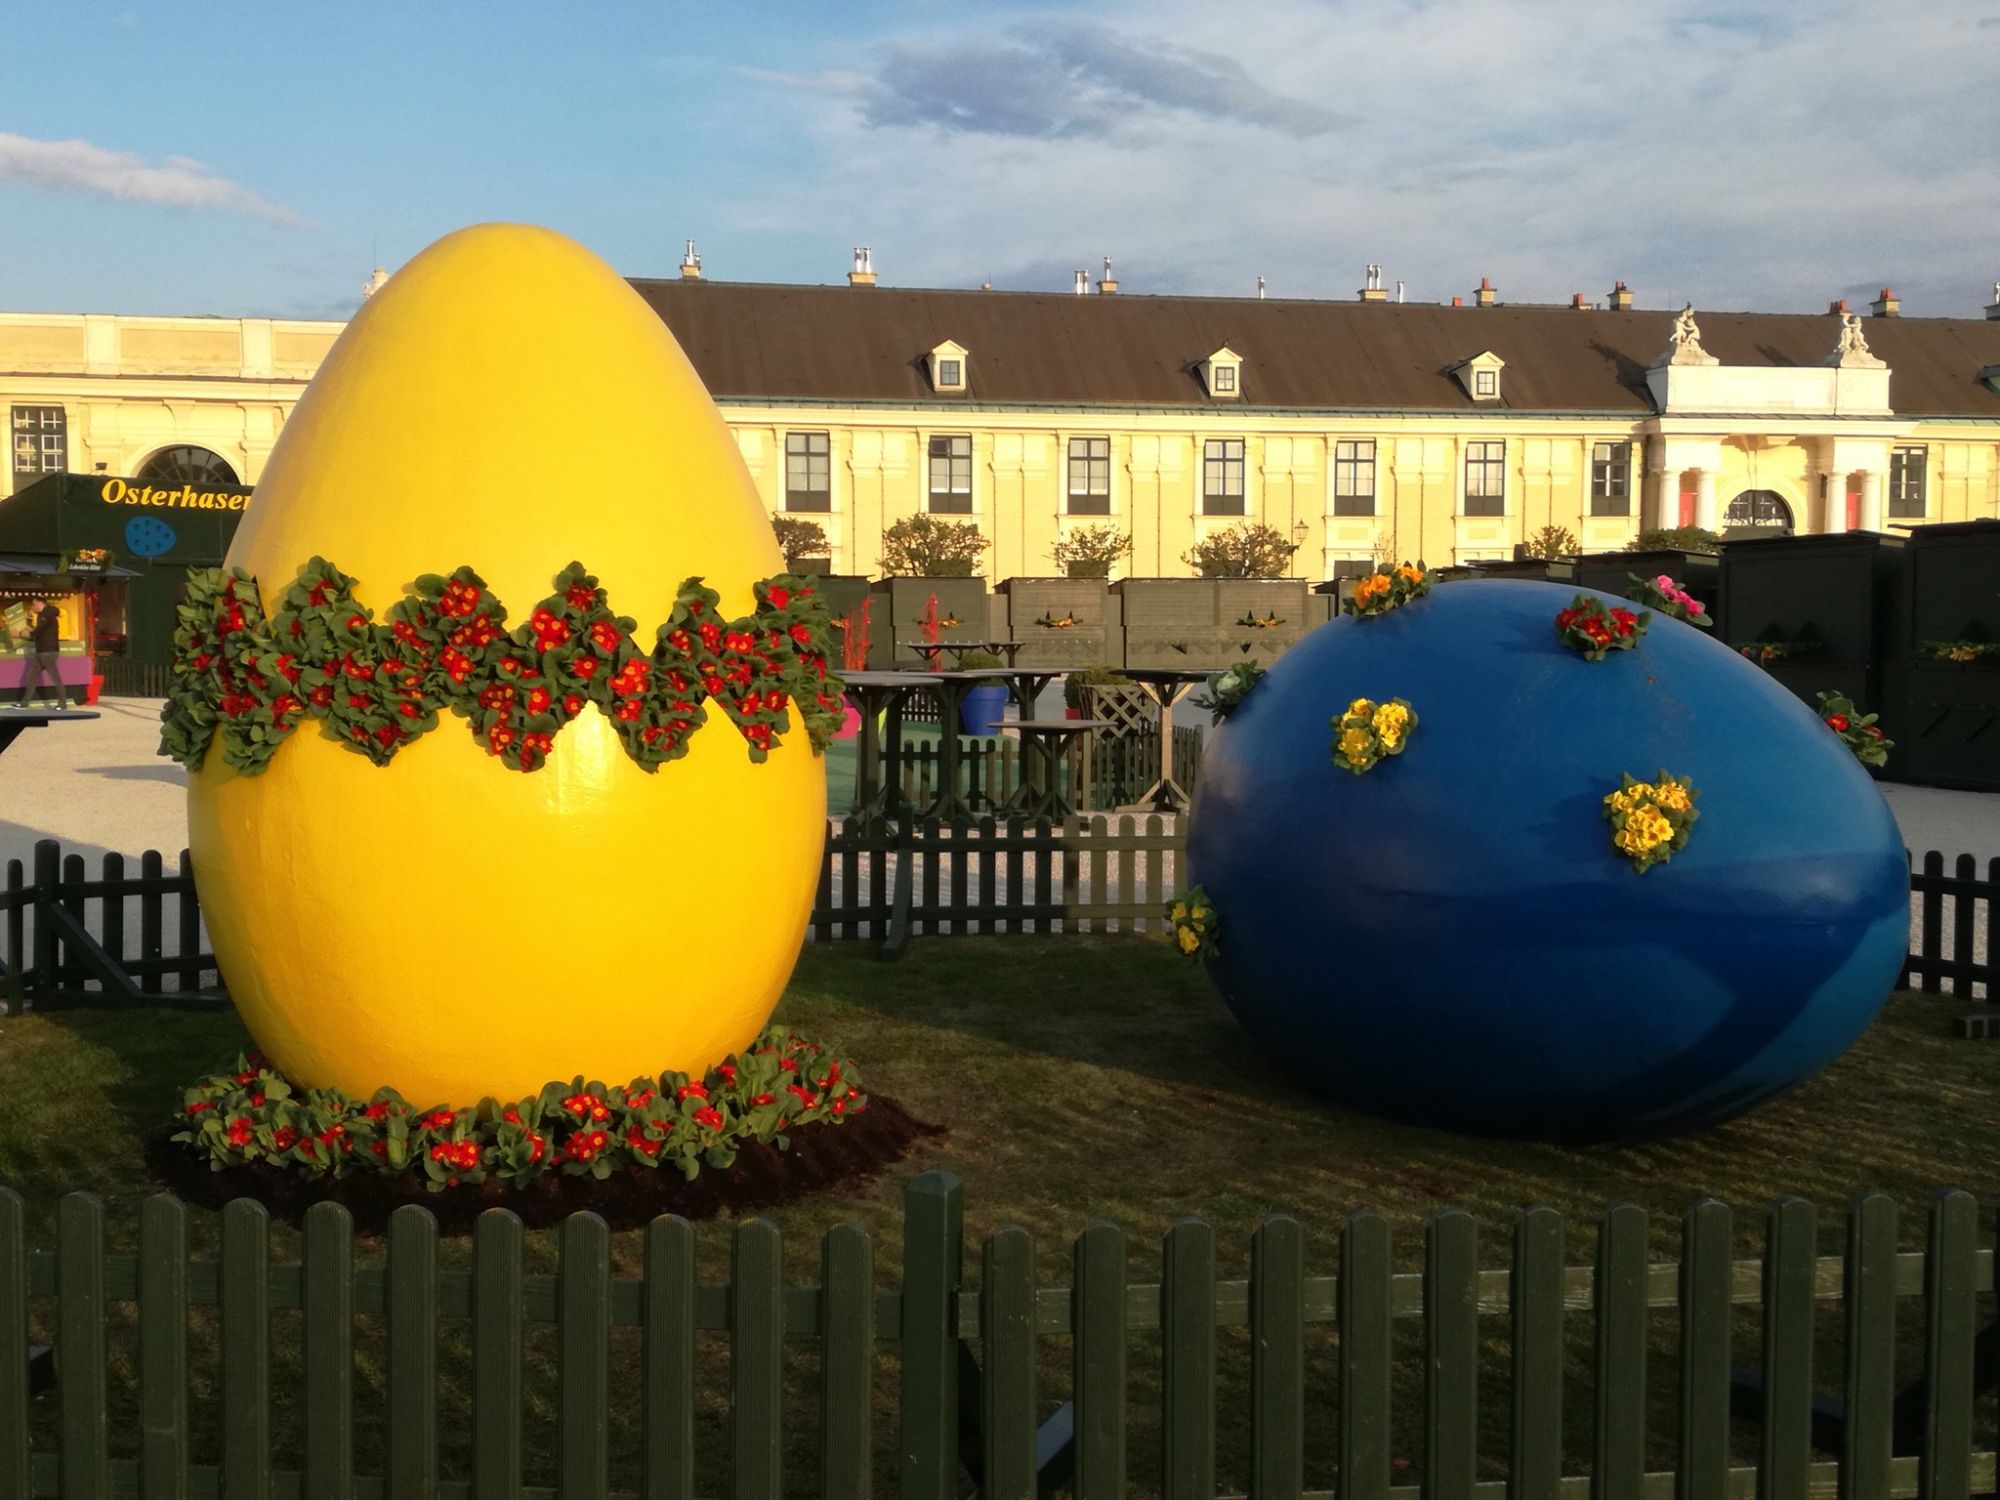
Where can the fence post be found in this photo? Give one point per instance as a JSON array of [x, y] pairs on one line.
[[933, 1251], [48, 868], [14, 1429]]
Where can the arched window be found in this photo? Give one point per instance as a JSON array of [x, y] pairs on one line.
[[1759, 508], [187, 465]]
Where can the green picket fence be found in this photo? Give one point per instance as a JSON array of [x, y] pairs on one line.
[[967, 1404]]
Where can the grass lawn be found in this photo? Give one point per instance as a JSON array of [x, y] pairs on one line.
[[1090, 1078]]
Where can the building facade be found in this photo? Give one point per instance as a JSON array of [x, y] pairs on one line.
[[1355, 430]]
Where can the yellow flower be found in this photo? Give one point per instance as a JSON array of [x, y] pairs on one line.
[[1390, 739], [1354, 744], [1180, 911], [1390, 717], [1188, 939], [1409, 574], [1672, 796], [1361, 708], [1644, 831]]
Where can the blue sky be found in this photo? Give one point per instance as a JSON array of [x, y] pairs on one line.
[[239, 159]]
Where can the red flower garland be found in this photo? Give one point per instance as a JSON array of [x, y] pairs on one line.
[[252, 681], [1592, 627]]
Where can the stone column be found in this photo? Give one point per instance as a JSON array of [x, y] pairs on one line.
[[1663, 502], [1871, 500], [1704, 499]]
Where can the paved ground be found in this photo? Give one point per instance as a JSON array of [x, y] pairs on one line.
[[99, 786]]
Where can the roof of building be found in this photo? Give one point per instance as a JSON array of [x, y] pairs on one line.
[[848, 344]]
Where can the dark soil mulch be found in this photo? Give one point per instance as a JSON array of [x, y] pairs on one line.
[[820, 1157]]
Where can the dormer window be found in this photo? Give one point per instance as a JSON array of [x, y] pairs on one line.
[[1480, 375], [947, 363], [1222, 373]]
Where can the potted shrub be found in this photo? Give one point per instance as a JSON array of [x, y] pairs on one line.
[[925, 547], [982, 708], [1090, 551], [803, 543], [1241, 552], [1100, 693]]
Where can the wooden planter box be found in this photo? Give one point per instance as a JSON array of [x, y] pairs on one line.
[[1027, 602], [1198, 623], [899, 611], [1847, 589]]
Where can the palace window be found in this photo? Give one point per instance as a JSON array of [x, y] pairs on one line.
[[1354, 479], [1225, 378], [951, 475], [1222, 477], [1611, 479], [41, 441], [808, 480], [1486, 383], [1090, 476], [1486, 479], [1353, 567], [1906, 483]]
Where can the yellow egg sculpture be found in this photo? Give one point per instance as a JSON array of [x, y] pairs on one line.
[[449, 923]]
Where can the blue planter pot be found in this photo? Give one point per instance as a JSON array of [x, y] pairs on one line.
[[981, 710]]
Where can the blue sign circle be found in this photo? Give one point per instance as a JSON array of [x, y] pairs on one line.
[[147, 537], [1450, 938]]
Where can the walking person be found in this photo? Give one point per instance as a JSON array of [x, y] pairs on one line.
[[44, 636]]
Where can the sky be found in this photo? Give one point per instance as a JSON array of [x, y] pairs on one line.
[[249, 159]]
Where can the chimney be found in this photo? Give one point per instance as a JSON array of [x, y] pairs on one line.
[[1839, 307], [1993, 307], [690, 264], [1082, 282], [1621, 298], [1260, 289], [1107, 284], [1458, 302], [1888, 305], [1373, 291], [1577, 304], [375, 283], [1484, 296], [863, 273]]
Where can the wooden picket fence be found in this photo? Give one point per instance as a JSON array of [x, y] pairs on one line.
[[978, 1362], [1108, 773], [68, 937]]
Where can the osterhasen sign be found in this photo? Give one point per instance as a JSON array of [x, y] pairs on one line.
[[187, 497]]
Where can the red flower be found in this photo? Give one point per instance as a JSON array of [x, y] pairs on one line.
[[573, 703], [538, 700], [240, 1131], [692, 1091], [284, 1138], [606, 635], [763, 1099], [727, 1072], [199, 1105], [580, 597], [1873, 731], [707, 1118], [1837, 722], [802, 635]]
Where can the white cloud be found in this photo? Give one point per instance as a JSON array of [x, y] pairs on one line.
[[80, 167], [1765, 155]]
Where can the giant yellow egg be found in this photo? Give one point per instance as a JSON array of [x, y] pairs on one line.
[[444, 923]]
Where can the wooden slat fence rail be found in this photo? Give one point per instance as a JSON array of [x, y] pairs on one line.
[[978, 1353], [1953, 915], [1108, 774], [132, 931]]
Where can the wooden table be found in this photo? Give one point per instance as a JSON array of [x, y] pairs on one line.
[[1167, 686], [14, 720], [880, 695], [932, 651], [1045, 750]]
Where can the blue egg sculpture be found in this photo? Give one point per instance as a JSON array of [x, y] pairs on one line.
[[1450, 939]]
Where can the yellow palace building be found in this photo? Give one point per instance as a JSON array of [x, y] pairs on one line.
[[1355, 429]]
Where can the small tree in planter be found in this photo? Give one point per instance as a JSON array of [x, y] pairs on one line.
[[800, 540], [1241, 552], [925, 547], [1089, 551], [1676, 539], [1550, 543]]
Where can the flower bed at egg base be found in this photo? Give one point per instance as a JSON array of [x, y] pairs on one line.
[[818, 1157]]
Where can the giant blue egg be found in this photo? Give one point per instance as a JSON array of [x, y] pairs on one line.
[[1450, 939]]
